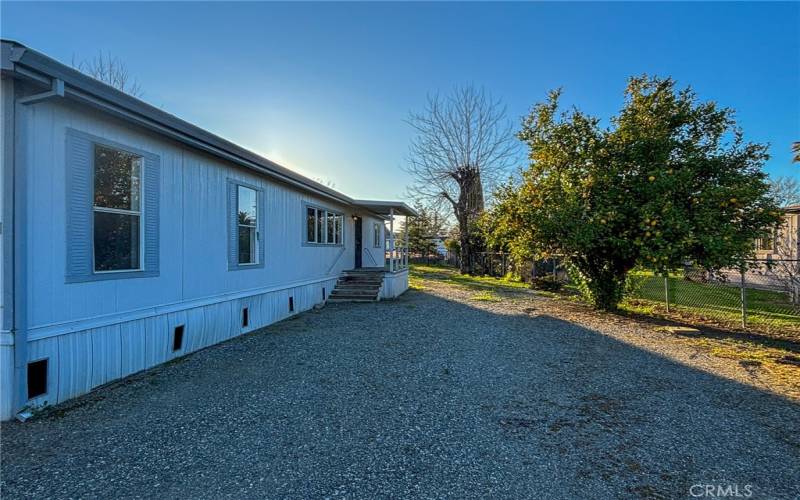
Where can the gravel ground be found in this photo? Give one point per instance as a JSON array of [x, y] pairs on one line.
[[431, 395]]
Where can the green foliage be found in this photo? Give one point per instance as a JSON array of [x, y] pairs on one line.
[[453, 246], [422, 230], [547, 283], [671, 179]]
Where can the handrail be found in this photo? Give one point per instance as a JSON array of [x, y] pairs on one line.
[[336, 260], [369, 254]]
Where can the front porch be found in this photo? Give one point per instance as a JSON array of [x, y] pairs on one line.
[[396, 251], [371, 283]]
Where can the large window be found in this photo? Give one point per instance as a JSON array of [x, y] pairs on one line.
[[113, 194], [117, 210], [323, 227], [247, 216]]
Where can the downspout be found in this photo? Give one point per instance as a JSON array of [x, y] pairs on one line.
[[18, 330], [19, 327], [8, 242]]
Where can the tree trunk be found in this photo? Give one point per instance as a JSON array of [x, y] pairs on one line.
[[606, 285], [465, 266], [468, 209]]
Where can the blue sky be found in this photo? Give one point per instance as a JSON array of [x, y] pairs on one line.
[[324, 88]]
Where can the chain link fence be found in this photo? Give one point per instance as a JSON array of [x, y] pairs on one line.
[[435, 259], [763, 297]]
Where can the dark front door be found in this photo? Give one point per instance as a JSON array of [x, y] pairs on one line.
[[358, 234]]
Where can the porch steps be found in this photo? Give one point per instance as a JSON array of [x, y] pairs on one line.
[[358, 285]]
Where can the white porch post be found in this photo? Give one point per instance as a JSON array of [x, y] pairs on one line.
[[405, 257], [391, 240]]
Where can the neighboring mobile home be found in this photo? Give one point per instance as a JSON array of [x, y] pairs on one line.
[[785, 243], [131, 237]]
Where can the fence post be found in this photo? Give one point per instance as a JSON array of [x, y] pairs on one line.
[[666, 291], [555, 273], [744, 298]]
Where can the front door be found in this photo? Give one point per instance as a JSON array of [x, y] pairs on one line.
[[358, 234]]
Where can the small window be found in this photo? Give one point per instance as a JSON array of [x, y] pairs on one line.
[[766, 244], [338, 231], [324, 227], [177, 338], [376, 235], [37, 378], [248, 228], [117, 210], [320, 226], [311, 224]]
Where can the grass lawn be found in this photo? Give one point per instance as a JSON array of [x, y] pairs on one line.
[[696, 303], [446, 274], [766, 310]]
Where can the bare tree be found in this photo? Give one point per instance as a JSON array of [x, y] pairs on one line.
[[785, 269], [463, 145], [785, 190], [796, 151], [109, 69], [325, 182]]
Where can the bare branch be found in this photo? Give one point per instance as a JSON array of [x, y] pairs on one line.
[[463, 146], [110, 70]]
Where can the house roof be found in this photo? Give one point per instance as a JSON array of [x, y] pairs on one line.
[[792, 209], [22, 62], [387, 207]]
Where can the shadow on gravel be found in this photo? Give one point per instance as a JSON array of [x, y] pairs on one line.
[[420, 396]]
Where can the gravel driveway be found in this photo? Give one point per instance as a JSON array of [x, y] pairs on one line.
[[430, 395]]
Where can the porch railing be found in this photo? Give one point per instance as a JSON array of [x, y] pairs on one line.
[[396, 259], [396, 255]]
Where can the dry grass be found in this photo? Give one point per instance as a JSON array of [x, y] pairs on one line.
[[750, 357]]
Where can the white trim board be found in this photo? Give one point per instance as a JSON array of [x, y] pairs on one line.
[[67, 327]]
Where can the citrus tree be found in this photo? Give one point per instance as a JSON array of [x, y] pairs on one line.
[[669, 179]]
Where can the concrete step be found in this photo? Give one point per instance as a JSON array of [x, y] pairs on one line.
[[350, 299], [360, 285], [357, 290], [357, 286], [351, 293]]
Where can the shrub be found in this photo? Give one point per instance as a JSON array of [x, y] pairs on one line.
[[546, 283]]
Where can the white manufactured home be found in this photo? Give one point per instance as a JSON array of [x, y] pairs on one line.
[[131, 237]]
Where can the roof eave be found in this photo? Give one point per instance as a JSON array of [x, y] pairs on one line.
[[384, 207], [19, 60]]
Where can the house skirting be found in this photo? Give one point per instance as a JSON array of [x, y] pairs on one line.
[[394, 284], [84, 355]]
